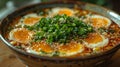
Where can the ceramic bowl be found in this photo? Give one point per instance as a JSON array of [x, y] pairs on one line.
[[32, 60]]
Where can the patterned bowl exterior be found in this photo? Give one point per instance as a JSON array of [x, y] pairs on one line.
[[97, 60]]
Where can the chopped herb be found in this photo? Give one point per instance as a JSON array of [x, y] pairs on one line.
[[56, 53], [19, 47], [41, 13], [28, 27], [10, 28], [43, 52], [60, 28], [102, 30], [111, 31]]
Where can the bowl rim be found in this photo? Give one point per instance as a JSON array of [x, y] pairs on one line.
[[56, 58]]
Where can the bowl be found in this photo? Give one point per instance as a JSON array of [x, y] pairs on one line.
[[32, 60]]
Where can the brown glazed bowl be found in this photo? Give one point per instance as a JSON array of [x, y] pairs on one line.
[[32, 60]]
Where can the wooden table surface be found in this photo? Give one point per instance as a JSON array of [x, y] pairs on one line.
[[7, 59]]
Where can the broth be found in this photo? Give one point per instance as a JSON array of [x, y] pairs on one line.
[[63, 32]]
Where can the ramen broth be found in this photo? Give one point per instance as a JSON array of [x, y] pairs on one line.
[[63, 32]]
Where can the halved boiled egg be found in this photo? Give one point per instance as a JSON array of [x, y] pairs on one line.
[[98, 21], [41, 46], [71, 48], [30, 19], [58, 10], [21, 35], [95, 40]]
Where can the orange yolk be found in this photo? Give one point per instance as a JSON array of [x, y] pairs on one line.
[[71, 47], [31, 20], [94, 38], [99, 22], [37, 46], [22, 35], [65, 11]]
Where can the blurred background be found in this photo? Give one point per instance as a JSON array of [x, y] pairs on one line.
[[8, 6]]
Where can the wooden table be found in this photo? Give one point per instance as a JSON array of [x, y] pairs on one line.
[[7, 59]]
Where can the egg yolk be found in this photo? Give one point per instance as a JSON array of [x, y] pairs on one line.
[[22, 35], [99, 22], [71, 47], [94, 38], [31, 20], [37, 46], [65, 11]]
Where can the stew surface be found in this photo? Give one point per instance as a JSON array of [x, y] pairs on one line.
[[63, 32]]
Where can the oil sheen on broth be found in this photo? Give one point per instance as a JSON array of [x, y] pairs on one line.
[[64, 32]]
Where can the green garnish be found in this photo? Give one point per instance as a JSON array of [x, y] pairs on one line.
[[60, 28], [43, 52], [111, 31], [102, 30], [19, 47], [56, 53]]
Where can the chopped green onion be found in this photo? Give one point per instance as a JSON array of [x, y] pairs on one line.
[[60, 28]]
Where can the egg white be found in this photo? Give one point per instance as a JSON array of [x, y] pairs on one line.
[[81, 49], [98, 44], [11, 35], [29, 50], [55, 11], [101, 17], [27, 16], [62, 54]]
